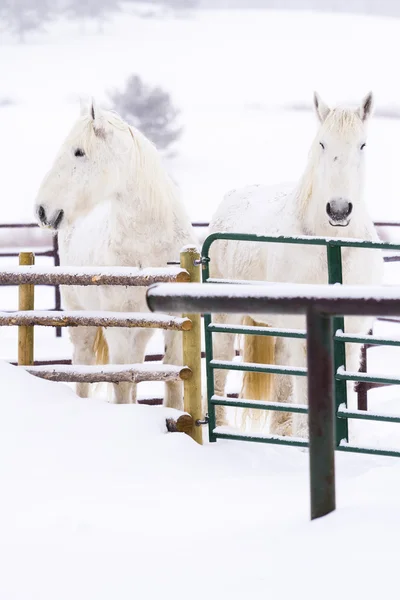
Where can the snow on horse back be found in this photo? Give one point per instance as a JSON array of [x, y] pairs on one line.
[[112, 202], [327, 201]]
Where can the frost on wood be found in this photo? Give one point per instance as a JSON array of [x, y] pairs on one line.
[[94, 319], [129, 276], [110, 373]]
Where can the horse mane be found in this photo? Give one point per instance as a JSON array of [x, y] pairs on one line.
[[151, 181], [347, 123]]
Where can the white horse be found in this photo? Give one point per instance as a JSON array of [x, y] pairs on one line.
[[328, 201], [113, 204]]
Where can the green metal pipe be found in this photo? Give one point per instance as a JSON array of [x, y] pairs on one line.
[[280, 441], [373, 451], [259, 404], [252, 330], [308, 240], [365, 339], [349, 376], [286, 441], [258, 368], [209, 356], [335, 275], [367, 416]]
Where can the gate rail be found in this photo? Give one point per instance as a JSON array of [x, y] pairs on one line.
[[321, 305]]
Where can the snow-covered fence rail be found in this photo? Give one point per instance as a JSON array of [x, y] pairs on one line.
[[51, 251], [129, 276], [93, 319], [321, 304], [26, 318], [112, 373]]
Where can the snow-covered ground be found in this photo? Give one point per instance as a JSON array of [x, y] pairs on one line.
[[97, 500]]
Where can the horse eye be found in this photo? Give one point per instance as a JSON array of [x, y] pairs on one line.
[[79, 152], [362, 146], [322, 145]]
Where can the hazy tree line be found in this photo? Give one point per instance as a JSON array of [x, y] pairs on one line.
[[22, 16], [383, 7]]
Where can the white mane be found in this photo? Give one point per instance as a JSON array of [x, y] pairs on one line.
[[144, 168], [347, 124]]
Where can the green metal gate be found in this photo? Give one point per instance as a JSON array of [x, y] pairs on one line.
[[334, 258]]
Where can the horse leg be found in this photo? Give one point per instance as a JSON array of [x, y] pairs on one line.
[[223, 349], [300, 387], [173, 356], [82, 339], [280, 423], [126, 346], [353, 361]]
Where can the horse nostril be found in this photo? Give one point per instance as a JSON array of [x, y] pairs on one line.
[[350, 209], [328, 208], [42, 214]]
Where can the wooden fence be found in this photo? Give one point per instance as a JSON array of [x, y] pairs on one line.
[[27, 276]]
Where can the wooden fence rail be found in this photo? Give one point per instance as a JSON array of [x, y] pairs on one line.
[[84, 276], [112, 373], [93, 319]]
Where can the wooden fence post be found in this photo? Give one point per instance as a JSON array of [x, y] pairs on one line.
[[26, 301], [190, 260]]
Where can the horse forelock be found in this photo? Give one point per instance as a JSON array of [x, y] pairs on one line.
[[344, 122]]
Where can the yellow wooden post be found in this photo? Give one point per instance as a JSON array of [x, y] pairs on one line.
[[192, 348], [26, 302]]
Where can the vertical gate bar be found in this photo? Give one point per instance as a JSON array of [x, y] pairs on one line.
[[192, 404], [321, 413], [334, 257], [209, 356], [57, 287], [210, 379], [26, 301], [362, 386]]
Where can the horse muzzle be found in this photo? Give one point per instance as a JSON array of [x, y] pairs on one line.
[[339, 211], [48, 221]]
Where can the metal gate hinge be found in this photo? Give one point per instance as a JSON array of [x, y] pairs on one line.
[[204, 421]]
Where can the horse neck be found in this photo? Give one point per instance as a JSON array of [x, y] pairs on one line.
[[132, 213]]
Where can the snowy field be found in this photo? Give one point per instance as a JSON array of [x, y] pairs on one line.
[[97, 500]]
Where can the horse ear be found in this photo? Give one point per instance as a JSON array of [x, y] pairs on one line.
[[97, 117], [321, 108], [367, 107]]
